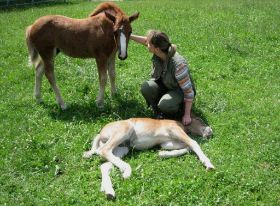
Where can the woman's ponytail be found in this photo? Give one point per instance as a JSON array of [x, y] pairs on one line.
[[171, 50]]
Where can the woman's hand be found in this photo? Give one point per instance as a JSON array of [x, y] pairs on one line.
[[186, 120]]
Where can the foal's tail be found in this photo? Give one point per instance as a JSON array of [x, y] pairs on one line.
[[96, 143], [33, 53], [94, 147]]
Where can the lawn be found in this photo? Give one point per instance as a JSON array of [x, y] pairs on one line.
[[233, 51]]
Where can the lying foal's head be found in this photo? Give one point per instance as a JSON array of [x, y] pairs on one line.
[[122, 31]]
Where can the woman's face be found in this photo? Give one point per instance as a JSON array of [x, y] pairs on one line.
[[151, 47]]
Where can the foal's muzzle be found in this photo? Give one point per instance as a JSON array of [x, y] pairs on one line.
[[122, 57]]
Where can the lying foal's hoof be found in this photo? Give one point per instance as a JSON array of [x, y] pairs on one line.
[[209, 166], [110, 197], [88, 154], [127, 172]]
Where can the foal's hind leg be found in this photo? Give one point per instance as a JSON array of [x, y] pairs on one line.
[[176, 149], [49, 72], [39, 72]]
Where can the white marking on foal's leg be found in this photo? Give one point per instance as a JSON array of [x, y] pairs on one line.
[[122, 45]]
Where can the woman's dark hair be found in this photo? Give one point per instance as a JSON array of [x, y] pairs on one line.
[[160, 40]]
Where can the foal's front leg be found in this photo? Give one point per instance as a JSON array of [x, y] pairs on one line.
[[106, 183], [112, 75], [102, 72], [181, 136]]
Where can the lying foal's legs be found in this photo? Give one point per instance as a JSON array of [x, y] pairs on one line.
[[180, 135], [106, 151], [49, 72], [177, 149], [106, 183]]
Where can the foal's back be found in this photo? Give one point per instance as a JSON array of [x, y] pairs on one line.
[[81, 38]]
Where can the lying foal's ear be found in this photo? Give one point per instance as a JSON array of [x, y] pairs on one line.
[[134, 17], [110, 16]]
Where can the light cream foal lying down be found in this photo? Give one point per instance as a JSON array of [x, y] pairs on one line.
[[115, 138]]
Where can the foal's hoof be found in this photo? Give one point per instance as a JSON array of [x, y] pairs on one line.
[[127, 172], [87, 154], [63, 107], [99, 104], [110, 197], [39, 100], [209, 166]]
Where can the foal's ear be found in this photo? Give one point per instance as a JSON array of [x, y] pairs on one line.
[[134, 17], [110, 16]]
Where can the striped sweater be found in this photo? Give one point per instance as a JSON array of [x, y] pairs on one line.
[[184, 80], [173, 74]]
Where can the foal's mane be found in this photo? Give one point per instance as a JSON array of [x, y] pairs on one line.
[[108, 7]]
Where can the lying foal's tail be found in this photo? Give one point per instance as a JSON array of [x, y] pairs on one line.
[[33, 53], [94, 147]]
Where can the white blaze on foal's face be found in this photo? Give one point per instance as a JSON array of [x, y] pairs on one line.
[[122, 43]]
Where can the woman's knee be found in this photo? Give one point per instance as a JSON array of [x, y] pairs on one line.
[[168, 106], [149, 87], [171, 102], [145, 87]]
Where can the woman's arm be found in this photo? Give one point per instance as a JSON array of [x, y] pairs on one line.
[[186, 119], [139, 39], [184, 81]]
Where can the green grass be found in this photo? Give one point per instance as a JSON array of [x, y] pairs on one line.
[[233, 50]]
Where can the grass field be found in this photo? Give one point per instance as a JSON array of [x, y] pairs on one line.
[[233, 50]]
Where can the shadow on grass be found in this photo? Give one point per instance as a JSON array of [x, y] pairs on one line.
[[116, 108]]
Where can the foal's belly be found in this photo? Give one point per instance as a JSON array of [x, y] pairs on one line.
[[146, 142]]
